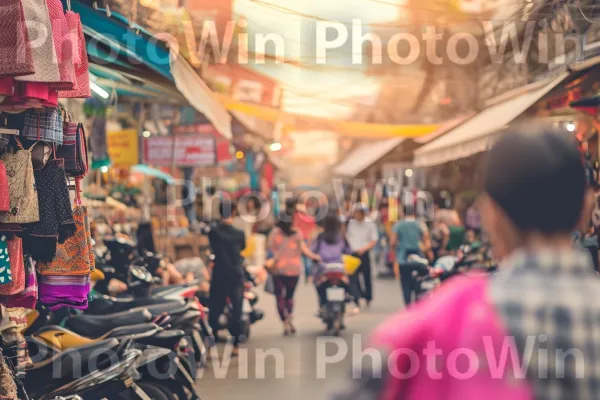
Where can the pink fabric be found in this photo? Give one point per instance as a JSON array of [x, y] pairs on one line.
[[16, 57], [7, 86], [80, 59], [305, 224], [459, 316], [62, 45]]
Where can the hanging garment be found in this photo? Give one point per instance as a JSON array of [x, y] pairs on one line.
[[5, 276], [28, 297], [62, 45], [42, 46], [17, 268], [80, 59], [64, 291], [4, 195], [7, 86], [8, 387], [24, 207], [16, 57], [45, 124], [56, 222], [72, 256], [88, 234]]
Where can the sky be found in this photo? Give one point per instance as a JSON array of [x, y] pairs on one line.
[[329, 91]]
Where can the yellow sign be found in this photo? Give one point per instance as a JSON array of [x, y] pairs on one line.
[[123, 148]]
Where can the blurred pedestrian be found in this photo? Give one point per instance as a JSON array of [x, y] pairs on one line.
[[287, 246], [362, 236]]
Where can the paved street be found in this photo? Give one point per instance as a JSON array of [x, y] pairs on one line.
[[294, 375]]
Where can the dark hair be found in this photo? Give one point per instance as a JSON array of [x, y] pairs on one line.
[[536, 175], [291, 203], [227, 209], [285, 223], [332, 226], [409, 210]]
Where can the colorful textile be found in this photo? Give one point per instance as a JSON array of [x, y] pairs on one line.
[[5, 276], [16, 270], [28, 297], [80, 59], [62, 45], [72, 256], [56, 222], [4, 194], [44, 54], [64, 291], [44, 124], [24, 206], [16, 57]]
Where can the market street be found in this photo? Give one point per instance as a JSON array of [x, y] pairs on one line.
[[298, 380]]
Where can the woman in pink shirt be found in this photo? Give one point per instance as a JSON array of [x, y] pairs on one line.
[[306, 225]]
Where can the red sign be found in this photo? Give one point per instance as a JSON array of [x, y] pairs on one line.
[[188, 151], [221, 144]]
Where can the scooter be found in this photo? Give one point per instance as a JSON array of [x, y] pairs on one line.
[[334, 287]]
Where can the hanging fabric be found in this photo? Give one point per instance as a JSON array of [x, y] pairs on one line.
[[45, 124], [5, 276], [24, 207], [16, 57], [56, 222], [4, 195], [62, 45], [16, 269], [73, 149], [80, 59], [72, 256], [27, 298], [71, 291], [44, 54]]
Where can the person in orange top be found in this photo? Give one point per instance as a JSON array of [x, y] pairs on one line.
[[307, 226]]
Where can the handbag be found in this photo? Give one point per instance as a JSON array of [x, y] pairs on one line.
[[74, 148], [24, 206], [82, 164], [72, 256], [270, 284], [17, 268]]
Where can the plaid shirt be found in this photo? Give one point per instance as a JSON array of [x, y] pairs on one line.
[[547, 301]]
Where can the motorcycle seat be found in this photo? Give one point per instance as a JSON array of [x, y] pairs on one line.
[[94, 326], [106, 304], [165, 339], [163, 289], [172, 308], [78, 361], [63, 339]]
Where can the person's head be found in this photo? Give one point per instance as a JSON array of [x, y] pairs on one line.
[[291, 204], [409, 211], [360, 212], [332, 228], [534, 189], [227, 210], [284, 222]]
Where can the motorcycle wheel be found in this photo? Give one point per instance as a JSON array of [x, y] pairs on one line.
[[156, 391]]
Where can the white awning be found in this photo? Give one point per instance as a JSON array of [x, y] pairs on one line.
[[364, 156], [476, 134], [199, 95]]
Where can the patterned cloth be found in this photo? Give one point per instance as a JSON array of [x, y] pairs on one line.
[[80, 59], [17, 268], [28, 297], [64, 291], [15, 48], [550, 296], [72, 256], [62, 45], [5, 276], [44, 54], [44, 124], [56, 222]]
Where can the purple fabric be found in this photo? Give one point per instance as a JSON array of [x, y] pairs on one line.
[[330, 253], [28, 297], [64, 291]]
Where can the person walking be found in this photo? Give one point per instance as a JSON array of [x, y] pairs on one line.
[[407, 238], [307, 226], [362, 236], [538, 308], [287, 246], [227, 243]]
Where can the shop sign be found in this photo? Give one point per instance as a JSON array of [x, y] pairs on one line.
[[123, 147], [182, 150]]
